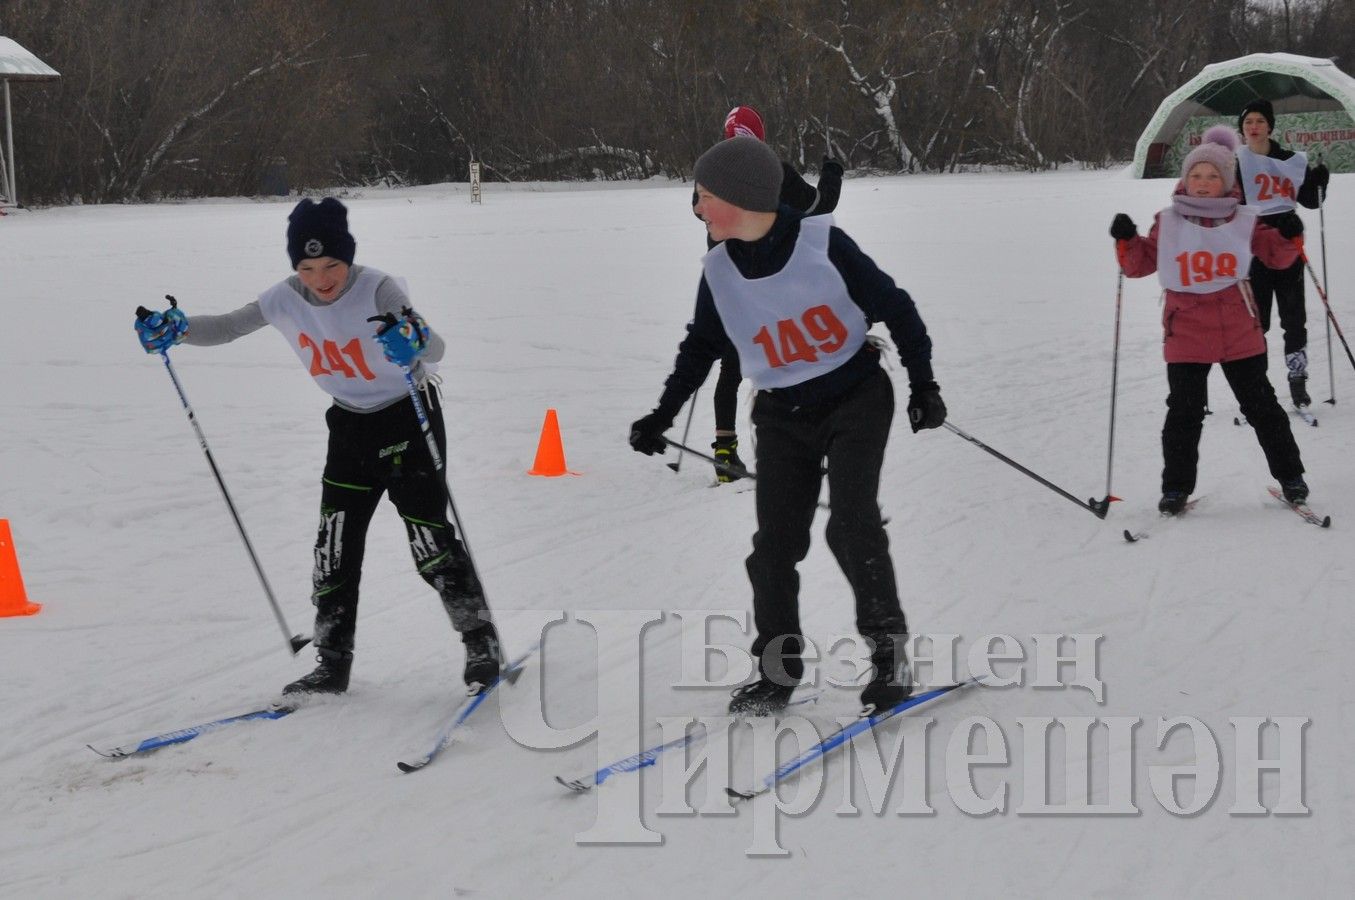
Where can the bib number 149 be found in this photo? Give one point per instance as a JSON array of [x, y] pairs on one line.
[[827, 334]]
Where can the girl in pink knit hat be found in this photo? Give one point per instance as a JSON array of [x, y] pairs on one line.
[[1201, 247]]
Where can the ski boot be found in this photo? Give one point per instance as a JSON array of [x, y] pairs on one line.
[[1297, 364], [1295, 490], [890, 683], [329, 677], [727, 451], [1172, 502], [1298, 390], [760, 698], [484, 657]]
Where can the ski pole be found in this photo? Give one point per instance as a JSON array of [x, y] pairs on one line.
[[1331, 316], [1322, 232], [677, 466], [1100, 507], [1091, 506], [724, 466], [388, 319], [294, 641]]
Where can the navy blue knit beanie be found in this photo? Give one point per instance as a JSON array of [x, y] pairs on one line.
[[319, 229]]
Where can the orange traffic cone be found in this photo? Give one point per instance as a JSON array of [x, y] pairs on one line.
[[13, 600], [550, 450]]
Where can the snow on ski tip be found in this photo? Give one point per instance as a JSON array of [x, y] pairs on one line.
[[183, 735], [464, 711], [1145, 531], [844, 735], [1301, 509]]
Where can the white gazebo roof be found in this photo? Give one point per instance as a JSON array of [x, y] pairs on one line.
[[17, 64], [1292, 83]]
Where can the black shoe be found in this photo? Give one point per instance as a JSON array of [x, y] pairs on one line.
[[760, 698], [1172, 502], [890, 683], [1298, 389], [330, 677], [1295, 490], [484, 657], [727, 452]]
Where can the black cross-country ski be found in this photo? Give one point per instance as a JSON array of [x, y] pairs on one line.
[[464, 711], [1139, 534], [182, 735], [1301, 508]]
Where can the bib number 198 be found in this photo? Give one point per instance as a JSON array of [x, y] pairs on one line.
[[790, 343], [1202, 266]]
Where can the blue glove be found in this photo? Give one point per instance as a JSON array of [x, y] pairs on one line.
[[404, 340], [158, 331]]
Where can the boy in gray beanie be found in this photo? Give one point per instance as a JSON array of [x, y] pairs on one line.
[[742, 171], [793, 191], [795, 296]]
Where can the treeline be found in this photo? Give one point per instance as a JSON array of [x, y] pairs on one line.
[[164, 98]]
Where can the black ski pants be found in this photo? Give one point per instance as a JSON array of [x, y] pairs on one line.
[[1282, 288], [792, 443], [1185, 420], [377, 453], [727, 391]]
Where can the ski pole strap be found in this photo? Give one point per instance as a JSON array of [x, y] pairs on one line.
[[1091, 506]]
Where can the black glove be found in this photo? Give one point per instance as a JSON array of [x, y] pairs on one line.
[[1318, 176], [925, 407], [646, 434], [830, 166], [1122, 228], [1289, 226]]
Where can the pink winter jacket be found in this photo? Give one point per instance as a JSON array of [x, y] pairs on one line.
[[1209, 328]]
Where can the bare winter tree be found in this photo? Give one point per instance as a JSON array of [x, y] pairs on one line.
[[173, 98]]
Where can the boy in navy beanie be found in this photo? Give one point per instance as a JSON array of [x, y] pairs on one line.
[[319, 229], [794, 297], [376, 445]]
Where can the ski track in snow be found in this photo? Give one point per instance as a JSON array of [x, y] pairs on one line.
[[576, 299]]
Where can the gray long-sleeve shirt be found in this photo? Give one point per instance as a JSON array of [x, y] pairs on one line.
[[210, 331]]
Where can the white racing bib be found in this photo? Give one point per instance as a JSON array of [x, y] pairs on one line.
[[1200, 260], [1271, 185], [792, 326], [336, 343]]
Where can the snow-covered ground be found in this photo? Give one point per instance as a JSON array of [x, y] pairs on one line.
[[576, 299]]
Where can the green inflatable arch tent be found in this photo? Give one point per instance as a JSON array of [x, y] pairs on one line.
[[1314, 110]]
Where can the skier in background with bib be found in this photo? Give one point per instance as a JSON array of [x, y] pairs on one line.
[[794, 296], [1201, 247], [1274, 181]]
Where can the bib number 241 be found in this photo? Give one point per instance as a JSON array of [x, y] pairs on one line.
[[333, 354]]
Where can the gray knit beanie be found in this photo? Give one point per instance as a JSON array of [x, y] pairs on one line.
[[743, 171]]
